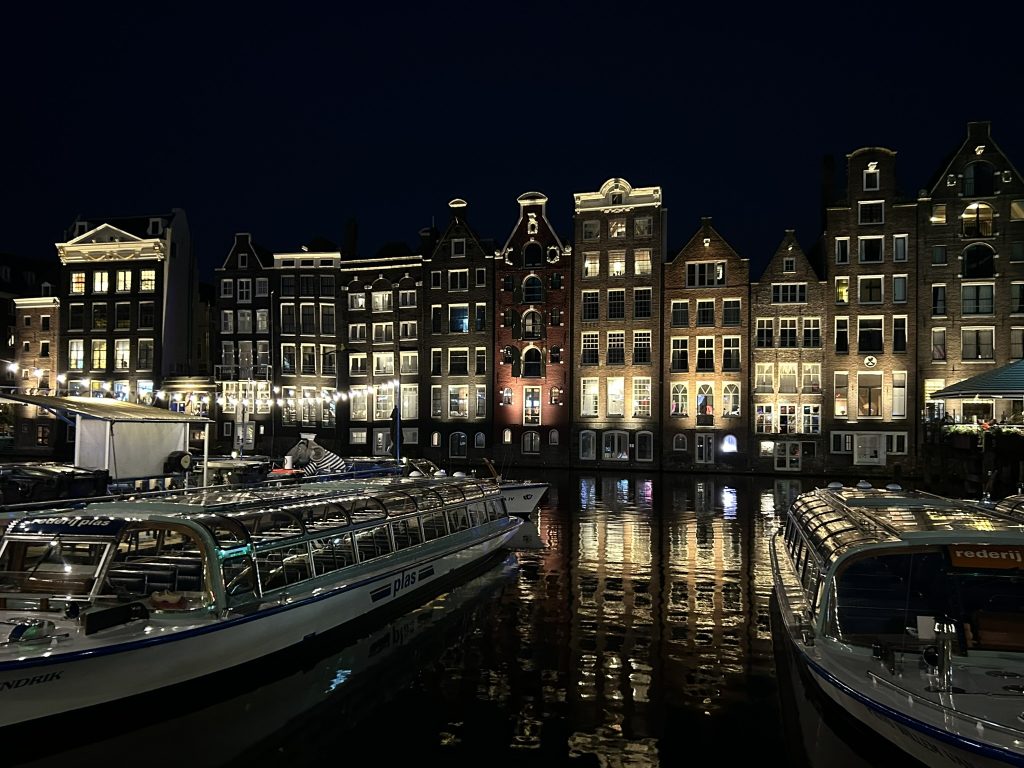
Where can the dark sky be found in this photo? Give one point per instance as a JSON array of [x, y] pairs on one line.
[[288, 122]]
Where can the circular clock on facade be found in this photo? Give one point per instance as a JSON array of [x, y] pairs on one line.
[[870, 361]]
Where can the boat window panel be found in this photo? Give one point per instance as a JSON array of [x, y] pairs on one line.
[[51, 566], [458, 519], [433, 525], [239, 579], [495, 509], [398, 503], [406, 533], [477, 514], [373, 542], [365, 510], [227, 532], [275, 523], [452, 494], [283, 566], [332, 553], [895, 597]]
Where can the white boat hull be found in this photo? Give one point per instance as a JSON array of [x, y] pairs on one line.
[[522, 498], [144, 656]]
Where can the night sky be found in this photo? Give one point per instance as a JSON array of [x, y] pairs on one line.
[[289, 124]]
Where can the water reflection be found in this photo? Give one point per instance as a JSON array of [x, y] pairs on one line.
[[634, 630]]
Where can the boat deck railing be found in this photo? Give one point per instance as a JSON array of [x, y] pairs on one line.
[[946, 712]]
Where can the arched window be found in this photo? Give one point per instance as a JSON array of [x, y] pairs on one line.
[[705, 400], [532, 362], [479, 440], [553, 437], [729, 444], [508, 355], [506, 436], [435, 439], [730, 399], [531, 442], [506, 396], [555, 354], [679, 442], [533, 290], [556, 395], [533, 325], [588, 445], [978, 261], [457, 445], [644, 446], [979, 179], [680, 400], [977, 220], [615, 445], [533, 255]]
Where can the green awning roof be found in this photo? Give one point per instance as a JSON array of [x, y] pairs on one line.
[[1004, 382]]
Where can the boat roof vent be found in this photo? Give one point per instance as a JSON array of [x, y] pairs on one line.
[[835, 485], [863, 485], [894, 487]]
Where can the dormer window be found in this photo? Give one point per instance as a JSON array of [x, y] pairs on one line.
[[458, 248], [789, 264], [616, 198], [81, 227], [243, 260], [156, 227]]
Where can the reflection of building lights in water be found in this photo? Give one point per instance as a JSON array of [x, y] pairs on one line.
[[729, 503], [339, 679], [588, 492], [767, 503]]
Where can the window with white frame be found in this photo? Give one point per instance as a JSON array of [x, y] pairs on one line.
[[589, 398], [899, 247], [641, 397], [642, 261], [871, 212], [899, 394], [842, 250], [764, 377], [591, 264], [811, 378], [76, 354], [458, 280], [870, 249], [383, 301], [787, 378], [977, 343], [616, 263], [811, 420], [616, 396], [531, 405], [764, 422], [680, 401], [458, 401], [869, 289], [840, 387], [869, 394], [680, 359], [788, 422], [731, 399]]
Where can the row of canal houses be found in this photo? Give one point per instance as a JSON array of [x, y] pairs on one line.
[[612, 351]]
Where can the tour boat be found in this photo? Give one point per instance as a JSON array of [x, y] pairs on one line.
[[907, 610], [125, 597], [314, 461]]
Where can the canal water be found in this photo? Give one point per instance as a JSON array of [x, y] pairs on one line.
[[631, 629]]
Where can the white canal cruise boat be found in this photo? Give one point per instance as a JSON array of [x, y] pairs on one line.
[[126, 597], [907, 610]]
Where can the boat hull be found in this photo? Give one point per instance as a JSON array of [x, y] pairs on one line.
[[522, 499], [146, 656]]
